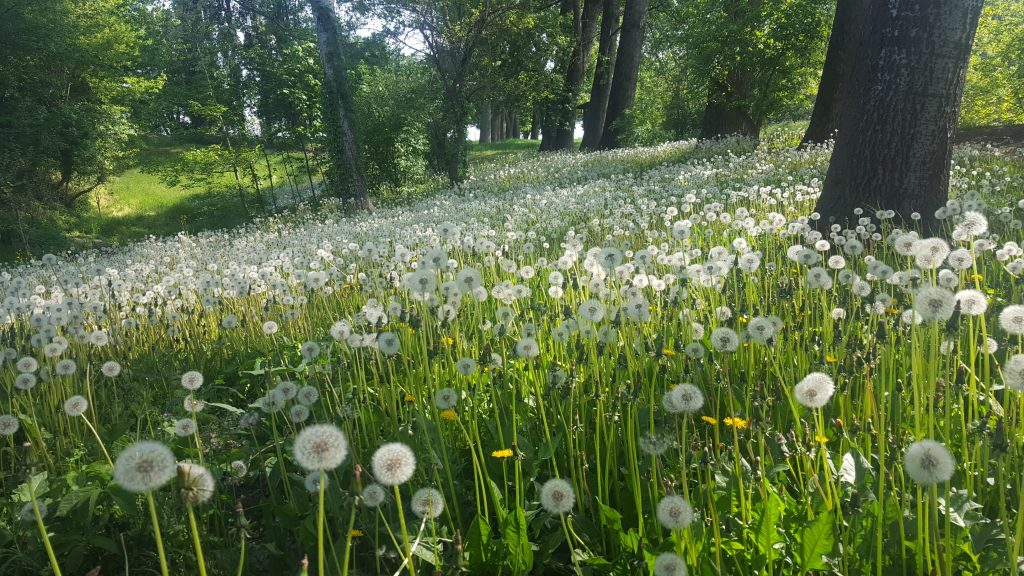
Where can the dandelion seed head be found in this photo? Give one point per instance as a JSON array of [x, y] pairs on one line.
[[674, 512], [557, 496], [393, 464], [929, 462], [669, 564], [427, 503], [191, 380], [197, 484], [373, 495], [9, 424], [320, 447], [815, 390], [76, 406], [144, 466]]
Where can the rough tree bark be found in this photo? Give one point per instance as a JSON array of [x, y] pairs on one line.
[[843, 52], [895, 137], [347, 174], [584, 25], [485, 122], [627, 66], [594, 113]]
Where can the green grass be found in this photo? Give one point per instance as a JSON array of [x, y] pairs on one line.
[[137, 203]]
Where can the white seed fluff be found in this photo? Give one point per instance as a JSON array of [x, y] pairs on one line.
[[815, 390], [393, 464], [320, 447], [929, 462]]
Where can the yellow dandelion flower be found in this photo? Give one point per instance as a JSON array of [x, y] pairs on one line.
[[892, 311], [447, 341], [410, 398], [505, 453], [449, 415], [977, 277], [821, 439], [831, 359], [737, 423], [668, 352], [356, 533], [709, 419]]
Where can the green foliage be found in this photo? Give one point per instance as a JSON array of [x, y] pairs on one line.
[[393, 104], [994, 91], [67, 81], [760, 58]]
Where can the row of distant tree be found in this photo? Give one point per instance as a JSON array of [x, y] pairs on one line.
[[86, 83]]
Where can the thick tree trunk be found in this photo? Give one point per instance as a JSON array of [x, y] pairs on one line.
[[535, 123], [895, 137], [496, 124], [725, 113], [593, 114], [347, 174], [837, 73], [514, 132], [485, 122], [627, 66], [565, 107]]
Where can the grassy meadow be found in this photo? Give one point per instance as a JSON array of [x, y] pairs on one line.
[[646, 361]]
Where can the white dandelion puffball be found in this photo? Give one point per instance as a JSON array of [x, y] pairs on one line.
[[527, 348], [312, 481], [929, 462], [320, 447], [27, 364], [725, 339], [111, 369], [239, 468], [144, 466], [191, 380], [1013, 372], [193, 405], [184, 427], [270, 327], [9, 424], [298, 413], [1011, 319], [557, 496], [972, 302], [674, 512], [65, 367], [76, 406], [687, 398], [374, 495], [427, 503], [934, 304], [307, 395], [669, 564], [393, 464], [196, 482], [815, 390], [445, 398]]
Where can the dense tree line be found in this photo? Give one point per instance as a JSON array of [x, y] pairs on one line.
[[86, 83]]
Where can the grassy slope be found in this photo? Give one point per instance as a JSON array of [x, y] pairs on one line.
[[136, 203]]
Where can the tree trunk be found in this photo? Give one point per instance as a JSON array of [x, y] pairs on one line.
[[485, 122], [725, 113], [514, 126], [593, 114], [347, 174], [535, 123], [627, 66], [843, 49], [894, 146], [564, 109], [495, 124]]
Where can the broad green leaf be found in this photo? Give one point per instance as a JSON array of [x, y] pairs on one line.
[[478, 544], [765, 534], [816, 540], [518, 550]]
